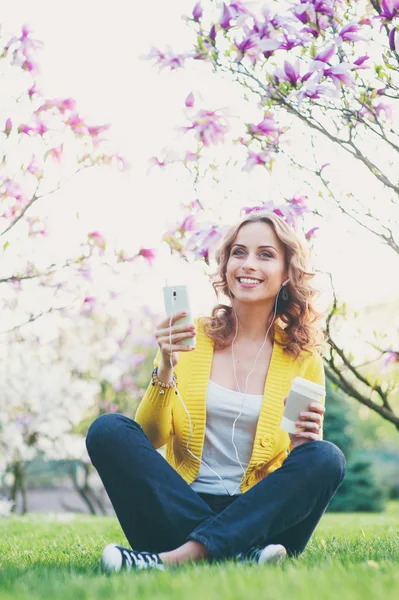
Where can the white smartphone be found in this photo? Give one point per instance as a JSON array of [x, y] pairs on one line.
[[176, 300]]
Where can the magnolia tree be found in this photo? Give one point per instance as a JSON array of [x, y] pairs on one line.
[[44, 143], [45, 391], [41, 401], [90, 363], [319, 81]]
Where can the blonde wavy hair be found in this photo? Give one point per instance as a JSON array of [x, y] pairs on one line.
[[297, 315]]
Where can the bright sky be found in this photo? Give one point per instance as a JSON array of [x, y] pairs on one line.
[[91, 53]]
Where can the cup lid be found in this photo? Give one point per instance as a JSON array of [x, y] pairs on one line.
[[309, 385]]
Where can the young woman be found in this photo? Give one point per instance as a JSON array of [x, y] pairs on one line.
[[233, 484]]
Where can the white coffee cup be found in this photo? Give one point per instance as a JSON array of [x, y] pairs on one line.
[[302, 393]]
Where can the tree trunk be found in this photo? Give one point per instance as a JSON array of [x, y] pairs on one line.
[[85, 491], [19, 485]]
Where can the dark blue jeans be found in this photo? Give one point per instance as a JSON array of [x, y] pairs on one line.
[[158, 511]]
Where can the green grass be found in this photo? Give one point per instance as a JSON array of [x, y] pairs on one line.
[[351, 556]]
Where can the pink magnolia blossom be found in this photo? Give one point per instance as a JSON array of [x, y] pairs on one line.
[[305, 12], [8, 127], [299, 201], [231, 12], [386, 108], [391, 357], [121, 162], [23, 50], [61, 104], [28, 44], [290, 211], [96, 240], [340, 74], [350, 33], [256, 158], [190, 157], [197, 11], [212, 33], [36, 227], [188, 223], [26, 129], [155, 162], [32, 91], [40, 127], [193, 206], [259, 36], [359, 63], [390, 10], [169, 157], [29, 66], [326, 53], [96, 130], [77, 124], [324, 7], [55, 153], [209, 127], [311, 233], [378, 109], [12, 189], [167, 59], [269, 206], [314, 90], [204, 241], [267, 127], [293, 209], [255, 43], [149, 254], [86, 272], [227, 16], [34, 168], [89, 304], [292, 72], [190, 100]]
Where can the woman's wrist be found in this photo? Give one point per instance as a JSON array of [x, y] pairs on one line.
[[165, 372]]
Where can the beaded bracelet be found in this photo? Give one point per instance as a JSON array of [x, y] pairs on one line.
[[161, 384]]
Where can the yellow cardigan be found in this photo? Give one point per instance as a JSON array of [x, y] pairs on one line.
[[165, 421]]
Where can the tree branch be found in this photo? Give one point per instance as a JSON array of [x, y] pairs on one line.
[[33, 318], [347, 145], [342, 381], [386, 238], [33, 200]]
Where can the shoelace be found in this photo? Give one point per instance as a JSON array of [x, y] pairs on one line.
[[141, 560], [251, 555]]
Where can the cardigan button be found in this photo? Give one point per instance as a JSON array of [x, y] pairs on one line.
[[265, 440]]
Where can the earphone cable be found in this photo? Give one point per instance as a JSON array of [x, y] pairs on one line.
[[242, 404]]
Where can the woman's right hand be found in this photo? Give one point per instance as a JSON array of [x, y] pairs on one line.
[[168, 331]]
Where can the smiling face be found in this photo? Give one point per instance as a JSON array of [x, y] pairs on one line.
[[256, 265]]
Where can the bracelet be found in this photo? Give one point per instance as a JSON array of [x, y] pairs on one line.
[[161, 384]]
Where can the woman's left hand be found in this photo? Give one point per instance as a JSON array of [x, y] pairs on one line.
[[310, 423]]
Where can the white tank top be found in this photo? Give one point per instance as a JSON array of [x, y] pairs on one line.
[[222, 408]]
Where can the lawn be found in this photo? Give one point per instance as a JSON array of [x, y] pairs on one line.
[[351, 556]]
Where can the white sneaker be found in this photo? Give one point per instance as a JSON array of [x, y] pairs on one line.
[[272, 554], [115, 558]]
